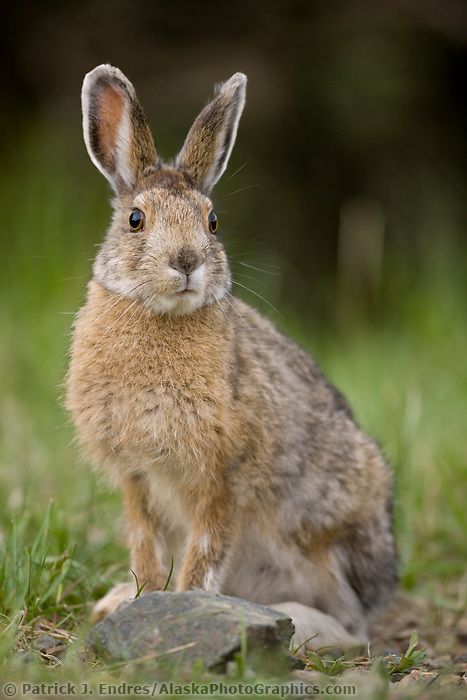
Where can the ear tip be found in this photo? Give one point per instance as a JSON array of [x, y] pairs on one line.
[[239, 77], [236, 80], [235, 84], [103, 71]]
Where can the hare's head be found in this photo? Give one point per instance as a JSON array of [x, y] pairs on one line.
[[161, 247]]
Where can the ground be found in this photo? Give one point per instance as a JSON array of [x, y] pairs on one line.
[[436, 666]]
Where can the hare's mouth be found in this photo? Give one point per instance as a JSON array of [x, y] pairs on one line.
[[190, 282]]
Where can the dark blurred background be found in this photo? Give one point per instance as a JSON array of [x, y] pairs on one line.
[[352, 148], [343, 209]]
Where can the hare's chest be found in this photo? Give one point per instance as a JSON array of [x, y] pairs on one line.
[[163, 414], [148, 411], [152, 392]]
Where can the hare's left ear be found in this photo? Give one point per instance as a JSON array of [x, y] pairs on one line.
[[116, 132], [207, 148]]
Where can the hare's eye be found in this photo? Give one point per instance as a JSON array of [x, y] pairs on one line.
[[212, 222], [136, 220]]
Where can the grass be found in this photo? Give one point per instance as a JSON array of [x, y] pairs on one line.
[[404, 373], [389, 665]]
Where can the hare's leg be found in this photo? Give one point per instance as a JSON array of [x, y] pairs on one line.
[[209, 544], [144, 538], [315, 629], [144, 544], [121, 593]]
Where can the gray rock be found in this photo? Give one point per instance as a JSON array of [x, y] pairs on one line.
[[44, 642], [48, 645], [178, 630]]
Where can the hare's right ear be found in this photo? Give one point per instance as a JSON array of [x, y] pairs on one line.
[[115, 129]]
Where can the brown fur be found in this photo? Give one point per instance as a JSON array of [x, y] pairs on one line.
[[234, 454]]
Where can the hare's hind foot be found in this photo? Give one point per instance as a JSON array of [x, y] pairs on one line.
[[119, 594], [315, 629]]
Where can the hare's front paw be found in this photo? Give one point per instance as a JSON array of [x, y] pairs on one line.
[[121, 593]]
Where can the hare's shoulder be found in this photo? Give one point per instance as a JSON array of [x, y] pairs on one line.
[[263, 350]]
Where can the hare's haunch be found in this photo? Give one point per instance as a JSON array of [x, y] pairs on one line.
[[233, 453]]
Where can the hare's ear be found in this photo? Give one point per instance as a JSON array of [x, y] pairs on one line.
[[115, 129], [207, 148]]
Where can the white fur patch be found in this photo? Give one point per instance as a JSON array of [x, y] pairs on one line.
[[123, 147], [211, 581], [204, 544], [197, 278], [177, 306]]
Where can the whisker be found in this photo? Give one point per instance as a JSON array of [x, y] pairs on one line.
[[248, 277], [143, 309], [263, 263], [241, 254], [127, 320], [259, 297], [222, 310], [247, 237], [241, 189], [238, 170], [121, 296], [125, 311], [244, 245], [227, 294], [149, 299], [69, 279], [259, 269]]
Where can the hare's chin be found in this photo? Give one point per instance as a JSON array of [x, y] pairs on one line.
[[178, 304]]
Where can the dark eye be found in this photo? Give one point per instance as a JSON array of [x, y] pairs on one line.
[[136, 220], [212, 222]]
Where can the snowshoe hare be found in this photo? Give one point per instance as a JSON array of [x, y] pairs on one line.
[[233, 453]]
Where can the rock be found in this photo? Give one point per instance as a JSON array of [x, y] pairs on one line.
[[417, 677], [306, 676], [396, 677], [450, 679], [180, 629], [44, 642], [48, 645]]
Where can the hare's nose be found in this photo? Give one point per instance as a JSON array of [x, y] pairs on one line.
[[186, 262]]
